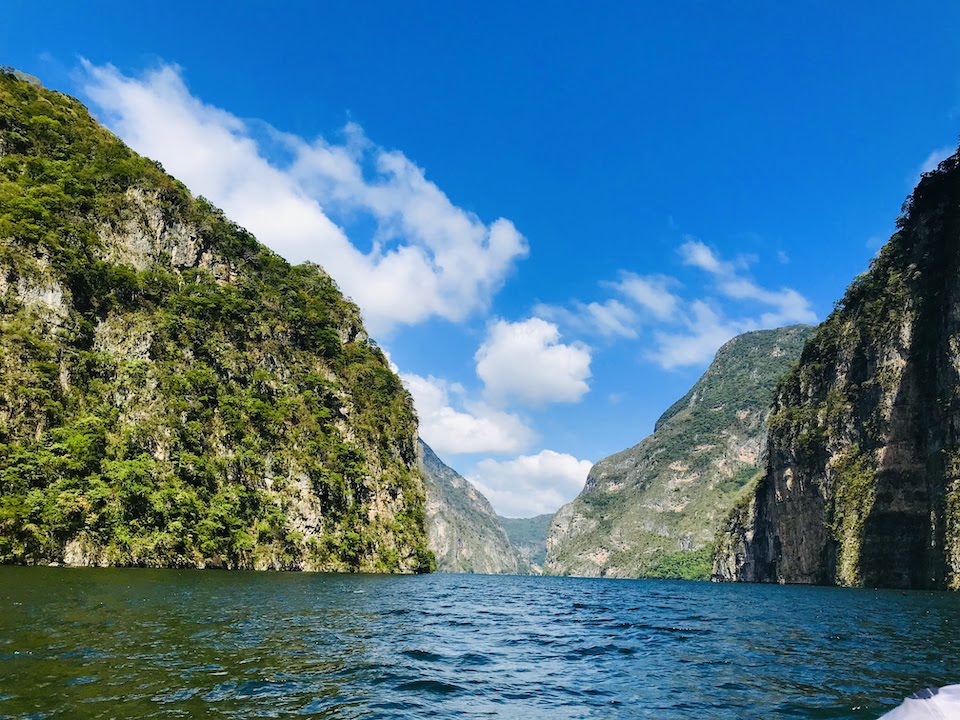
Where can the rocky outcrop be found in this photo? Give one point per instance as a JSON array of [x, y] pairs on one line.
[[862, 485], [654, 510], [172, 393], [463, 530]]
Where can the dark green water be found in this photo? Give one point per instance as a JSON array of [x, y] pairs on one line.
[[188, 644]]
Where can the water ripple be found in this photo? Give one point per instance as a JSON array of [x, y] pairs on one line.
[[186, 644]]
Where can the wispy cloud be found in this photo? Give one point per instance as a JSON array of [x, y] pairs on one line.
[[930, 163], [642, 300], [680, 330], [653, 294], [609, 319], [428, 258], [697, 254], [703, 331], [787, 305]]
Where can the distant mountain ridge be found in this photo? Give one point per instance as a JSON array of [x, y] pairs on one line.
[[529, 537], [463, 530], [654, 509]]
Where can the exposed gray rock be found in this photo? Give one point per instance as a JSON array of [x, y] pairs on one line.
[[655, 508], [862, 486], [463, 531]]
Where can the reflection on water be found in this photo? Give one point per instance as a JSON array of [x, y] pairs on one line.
[[196, 644]]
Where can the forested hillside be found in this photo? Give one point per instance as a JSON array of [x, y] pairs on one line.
[[172, 393]]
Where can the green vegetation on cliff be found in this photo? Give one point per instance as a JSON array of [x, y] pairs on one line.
[[654, 510], [861, 483], [172, 393]]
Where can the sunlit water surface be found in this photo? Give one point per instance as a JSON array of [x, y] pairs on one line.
[[207, 644]]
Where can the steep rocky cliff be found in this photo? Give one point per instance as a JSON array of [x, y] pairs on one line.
[[463, 530], [654, 510], [172, 393], [862, 486]]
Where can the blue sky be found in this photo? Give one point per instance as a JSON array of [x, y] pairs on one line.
[[552, 214]]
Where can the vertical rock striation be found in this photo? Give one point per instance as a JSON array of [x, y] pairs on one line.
[[862, 485], [464, 532]]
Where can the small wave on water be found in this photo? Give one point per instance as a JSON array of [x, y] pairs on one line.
[[424, 655], [429, 686], [141, 643]]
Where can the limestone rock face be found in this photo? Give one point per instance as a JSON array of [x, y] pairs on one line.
[[464, 532], [862, 484], [172, 393], [654, 509]]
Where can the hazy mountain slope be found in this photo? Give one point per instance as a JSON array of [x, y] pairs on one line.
[[529, 537], [862, 486], [655, 509], [172, 393], [463, 530]]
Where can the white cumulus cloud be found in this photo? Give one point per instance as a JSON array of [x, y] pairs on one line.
[[428, 256], [525, 362], [476, 428], [531, 484]]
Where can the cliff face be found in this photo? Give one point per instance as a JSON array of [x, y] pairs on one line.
[[172, 393], [464, 532], [862, 485], [654, 510]]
